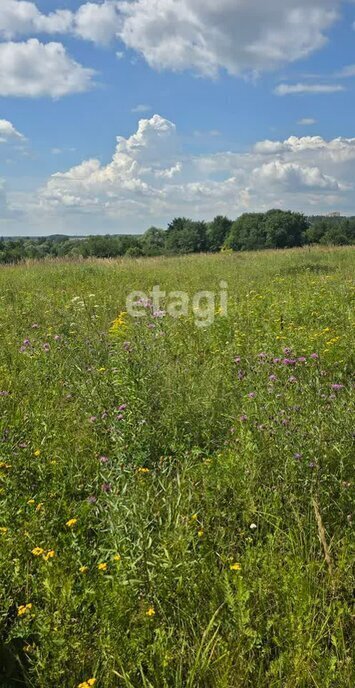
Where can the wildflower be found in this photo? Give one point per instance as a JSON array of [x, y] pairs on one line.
[[127, 346], [287, 350], [237, 359], [194, 517], [118, 323], [337, 387], [297, 456], [122, 407], [252, 395], [50, 554], [3, 530], [46, 347], [37, 453], [253, 526], [92, 419], [314, 356], [24, 608], [302, 359], [3, 393], [30, 502], [103, 459], [37, 551], [243, 419], [101, 370], [235, 567], [106, 487], [117, 557], [141, 469], [83, 569], [71, 523], [150, 611], [292, 379], [102, 566], [92, 499], [39, 506], [119, 417], [200, 533], [272, 378]]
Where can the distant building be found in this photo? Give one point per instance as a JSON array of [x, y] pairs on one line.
[[336, 213]]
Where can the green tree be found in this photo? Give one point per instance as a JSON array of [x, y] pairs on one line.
[[217, 232]]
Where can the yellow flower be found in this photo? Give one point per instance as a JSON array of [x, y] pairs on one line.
[[24, 608], [102, 566], [101, 370], [88, 683], [50, 554], [235, 567], [150, 611], [3, 464], [117, 557], [37, 452], [143, 470], [37, 551], [30, 502], [200, 533], [194, 517], [83, 569], [39, 506], [3, 530], [71, 523]]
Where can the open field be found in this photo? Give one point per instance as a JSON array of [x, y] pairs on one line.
[[175, 500]]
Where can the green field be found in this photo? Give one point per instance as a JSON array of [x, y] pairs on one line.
[[175, 500]]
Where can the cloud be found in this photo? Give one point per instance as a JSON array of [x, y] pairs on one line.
[[199, 35], [206, 36], [141, 108], [307, 121], [150, 179], [346, 72], [97, 22], [8, 132], [298, 89], [34, 69]]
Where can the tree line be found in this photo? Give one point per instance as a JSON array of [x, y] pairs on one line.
[[251, 231]]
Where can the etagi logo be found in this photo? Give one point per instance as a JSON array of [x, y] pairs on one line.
[[203, 305]]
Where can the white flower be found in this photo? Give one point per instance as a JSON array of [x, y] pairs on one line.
[[253, 526]]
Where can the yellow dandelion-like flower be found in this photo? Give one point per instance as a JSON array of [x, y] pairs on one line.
[[150, 611], [3, 530], [37, 551], [201, 533], [194, 517], [143, 470], [101, 370], [71, 523], [24, 608], [91, 681], [39, 506], [30, 502], [118, 323], [83, 569], [37, 453], [117, 557], [235, 567], [50, 554], [102, 566]]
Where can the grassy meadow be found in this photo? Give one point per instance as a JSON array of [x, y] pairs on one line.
[[175, 500]]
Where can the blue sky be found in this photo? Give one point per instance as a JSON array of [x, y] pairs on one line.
[[221, 108]]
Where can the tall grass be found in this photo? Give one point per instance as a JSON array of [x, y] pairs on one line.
[[175, 501]]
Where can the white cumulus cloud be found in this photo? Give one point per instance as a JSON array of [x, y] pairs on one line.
[[34, 69], [8, 132]]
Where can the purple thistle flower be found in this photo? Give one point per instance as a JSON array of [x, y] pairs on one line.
[[302, 359], [122, 407], [289, 361], [104, 459], [297, 456], [237, 359], [272, 378], [262, 355], [243, 419], [57, 337], [104, 415], [159, 314], [151, 326], [277, 360], [241, 375], [287, 350], [26, 342], [337, 387], [106, 487], [314, 356], [252, 395], [92, 499], [312, 464], [119, 417]]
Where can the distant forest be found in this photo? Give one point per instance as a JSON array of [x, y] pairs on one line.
[[251, 231]]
